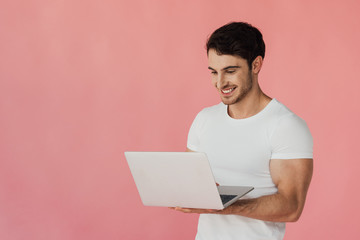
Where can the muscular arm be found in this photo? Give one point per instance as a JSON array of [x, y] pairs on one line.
[[292, 178]]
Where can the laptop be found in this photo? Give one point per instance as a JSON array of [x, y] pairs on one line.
[[180, 179]]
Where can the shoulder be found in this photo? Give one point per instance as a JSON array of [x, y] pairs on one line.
[[290, 137], [211, 111], [208, 115], [285, 118]]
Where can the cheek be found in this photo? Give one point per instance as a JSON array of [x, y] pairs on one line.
[[239, 79], [213, 81]]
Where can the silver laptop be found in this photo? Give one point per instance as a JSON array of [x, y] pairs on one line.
[[180, 179]]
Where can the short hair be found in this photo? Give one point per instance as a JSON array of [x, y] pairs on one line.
[[237, 38]]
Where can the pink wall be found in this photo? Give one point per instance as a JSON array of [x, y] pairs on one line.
[[83, 81]]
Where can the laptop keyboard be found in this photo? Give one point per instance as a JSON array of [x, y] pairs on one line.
[[226, 198]]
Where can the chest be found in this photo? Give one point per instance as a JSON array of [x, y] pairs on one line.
[[239, 148]]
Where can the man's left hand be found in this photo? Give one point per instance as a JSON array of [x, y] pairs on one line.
[[195, 210]]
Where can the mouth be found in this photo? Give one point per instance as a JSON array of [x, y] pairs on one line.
[[227, 91]]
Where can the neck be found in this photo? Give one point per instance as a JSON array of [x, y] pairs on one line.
[[251, 104]]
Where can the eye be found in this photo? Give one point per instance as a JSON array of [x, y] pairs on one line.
[[213, 73], [230, 71]]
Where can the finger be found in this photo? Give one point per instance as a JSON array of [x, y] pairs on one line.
[[185, 210]]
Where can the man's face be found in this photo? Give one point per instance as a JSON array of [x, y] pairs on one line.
[[231, 76]]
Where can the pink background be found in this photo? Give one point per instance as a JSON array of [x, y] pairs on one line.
[[83, 81]]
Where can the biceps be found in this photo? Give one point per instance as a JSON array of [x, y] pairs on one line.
[[292, 177]]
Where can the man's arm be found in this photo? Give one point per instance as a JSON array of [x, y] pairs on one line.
[[292, 178]]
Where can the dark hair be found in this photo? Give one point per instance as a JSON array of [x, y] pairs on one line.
[[237, 38]]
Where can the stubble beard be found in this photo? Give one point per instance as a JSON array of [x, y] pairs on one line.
[[244, 90]]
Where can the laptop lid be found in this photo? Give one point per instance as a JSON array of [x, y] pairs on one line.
[[172, 179]]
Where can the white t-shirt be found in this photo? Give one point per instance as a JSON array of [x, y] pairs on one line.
[[239, 152]]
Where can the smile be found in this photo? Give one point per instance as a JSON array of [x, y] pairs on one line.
[[227, 91]]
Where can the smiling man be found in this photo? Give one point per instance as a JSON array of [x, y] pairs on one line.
[[250, 139]]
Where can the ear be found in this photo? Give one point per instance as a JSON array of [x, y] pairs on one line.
[[257, 64]]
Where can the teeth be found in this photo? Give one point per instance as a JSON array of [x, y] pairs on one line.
[[228, 91]]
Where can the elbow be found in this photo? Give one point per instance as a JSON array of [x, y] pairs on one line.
[[294, 216], [294, 210]]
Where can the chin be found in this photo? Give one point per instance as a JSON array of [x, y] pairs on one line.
[[228, 101], [233, 100]]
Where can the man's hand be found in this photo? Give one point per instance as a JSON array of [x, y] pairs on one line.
[[195, 210]]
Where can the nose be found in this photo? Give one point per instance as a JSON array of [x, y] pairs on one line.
[[220, 81]]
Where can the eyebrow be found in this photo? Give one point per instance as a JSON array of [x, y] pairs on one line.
[[225, 68]]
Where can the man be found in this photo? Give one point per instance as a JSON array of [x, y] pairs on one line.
[[250, 139]]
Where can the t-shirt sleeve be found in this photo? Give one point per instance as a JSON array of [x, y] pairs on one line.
[[291, 139], [193, 141]]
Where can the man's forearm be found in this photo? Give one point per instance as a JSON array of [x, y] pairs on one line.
[[274, 207], [292, 179]]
